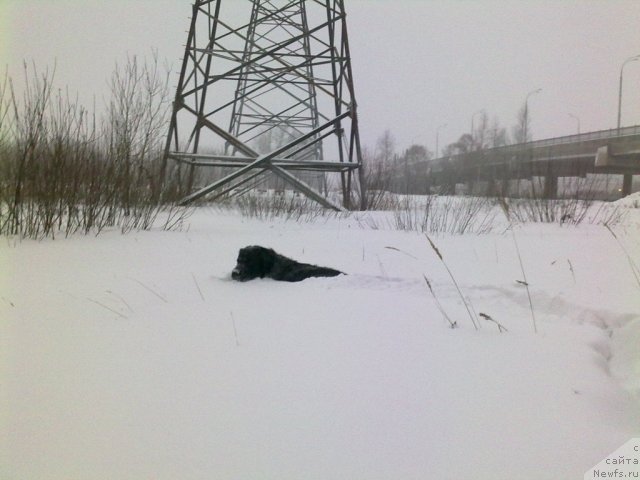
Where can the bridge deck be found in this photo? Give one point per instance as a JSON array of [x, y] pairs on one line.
[[606, 151]]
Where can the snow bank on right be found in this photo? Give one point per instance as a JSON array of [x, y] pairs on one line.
[[630, 201]]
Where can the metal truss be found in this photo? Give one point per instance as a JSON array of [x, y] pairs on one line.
[[266, 89]]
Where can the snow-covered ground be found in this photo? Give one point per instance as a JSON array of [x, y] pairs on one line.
[[136, 357]]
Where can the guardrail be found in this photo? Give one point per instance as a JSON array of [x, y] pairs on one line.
[[583, 137], [549, 142]]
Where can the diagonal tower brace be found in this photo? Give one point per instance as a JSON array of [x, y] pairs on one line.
[[273, 95]]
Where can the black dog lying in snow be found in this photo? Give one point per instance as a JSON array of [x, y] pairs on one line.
[[259, 262]]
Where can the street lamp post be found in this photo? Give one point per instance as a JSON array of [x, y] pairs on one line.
[[628, 60], [627, 178], [438, 137], [576, 119], [526, 113]]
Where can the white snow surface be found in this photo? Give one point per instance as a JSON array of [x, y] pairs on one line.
[[136, 357], [629, 201]]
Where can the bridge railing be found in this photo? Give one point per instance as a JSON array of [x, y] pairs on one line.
[[549, 142], [582, 137]]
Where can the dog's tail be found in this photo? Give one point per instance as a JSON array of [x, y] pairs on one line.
[[325, 272]]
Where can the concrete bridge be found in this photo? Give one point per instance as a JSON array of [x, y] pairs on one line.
[[615, 151]]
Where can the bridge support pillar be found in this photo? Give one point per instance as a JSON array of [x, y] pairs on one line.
[[492, 188], [504, 186], [551, 186], [469, 186], [627, 180]]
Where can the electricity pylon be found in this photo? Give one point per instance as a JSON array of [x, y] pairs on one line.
[[266, 88]]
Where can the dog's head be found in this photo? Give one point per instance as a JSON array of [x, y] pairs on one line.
[[253, 262]]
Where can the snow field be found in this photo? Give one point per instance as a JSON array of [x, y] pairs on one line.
[[128, 357]]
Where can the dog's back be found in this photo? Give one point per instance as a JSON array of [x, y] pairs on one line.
[[259, 262]]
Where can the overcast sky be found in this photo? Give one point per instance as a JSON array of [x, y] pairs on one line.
[[417, 64]]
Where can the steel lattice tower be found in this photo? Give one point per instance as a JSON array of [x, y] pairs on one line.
[[271, 96]]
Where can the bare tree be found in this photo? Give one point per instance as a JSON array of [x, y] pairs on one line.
[[498, 135], [385, 148], [521, 131], [489, 134], [414, 168], [136, 120], [480, 134], [465, 144]]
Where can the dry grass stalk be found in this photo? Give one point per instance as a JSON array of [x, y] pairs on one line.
[[524, 281], [501, 328], [453, 279], [634, 268], [452, 324]]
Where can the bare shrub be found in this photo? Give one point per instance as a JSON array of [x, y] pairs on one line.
[[60, 173], [574, 205], [454, 215], [269, 205], [376, 179], [135, 127], [563, 211], [607, 215]]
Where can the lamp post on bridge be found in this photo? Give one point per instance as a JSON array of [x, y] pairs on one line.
[[526, 112], [628, 60], [627, 178]]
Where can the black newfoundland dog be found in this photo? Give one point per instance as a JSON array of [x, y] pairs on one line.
[[259, 262]]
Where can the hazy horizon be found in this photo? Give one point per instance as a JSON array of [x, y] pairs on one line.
[[416, 64]]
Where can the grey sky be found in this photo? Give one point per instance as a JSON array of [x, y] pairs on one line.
[[417, 63]]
